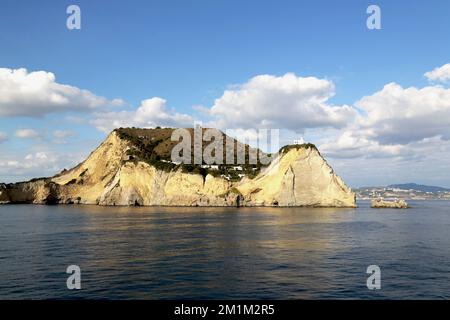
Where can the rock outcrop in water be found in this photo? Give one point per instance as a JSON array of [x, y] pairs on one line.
[[116, 174], [396, 204]]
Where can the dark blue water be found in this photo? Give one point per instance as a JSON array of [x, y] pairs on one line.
[[216, 253]]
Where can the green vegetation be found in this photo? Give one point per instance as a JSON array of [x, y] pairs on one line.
[[154, 146], [287, 148], [149, 145]]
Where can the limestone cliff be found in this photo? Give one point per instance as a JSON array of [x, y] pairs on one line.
[[298, 176]]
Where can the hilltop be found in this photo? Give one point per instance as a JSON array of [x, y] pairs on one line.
[[154, 146]]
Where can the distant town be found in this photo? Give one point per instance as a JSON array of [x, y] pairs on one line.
[[407, 191]]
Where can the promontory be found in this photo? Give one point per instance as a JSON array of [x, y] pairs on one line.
[[134, 167]]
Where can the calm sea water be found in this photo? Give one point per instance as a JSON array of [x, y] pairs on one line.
[[217, 253]]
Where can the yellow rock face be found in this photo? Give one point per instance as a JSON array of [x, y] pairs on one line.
[[142, 184], [28, 192], [87, 182], [299, 177]]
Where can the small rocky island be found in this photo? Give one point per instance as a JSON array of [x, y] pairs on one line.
[[394, 204], [133, 167]]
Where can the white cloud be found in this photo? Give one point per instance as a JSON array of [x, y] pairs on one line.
[[395, 129], [403, 115], [61, 134], [40, 162], [288, 101], [395, 122], [151, 113], [35, 94], [425, 161], [44, 161], [352, 144], [439, 74], [27, 134], [76, 120]]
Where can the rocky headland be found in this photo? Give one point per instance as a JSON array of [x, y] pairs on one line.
[[133, 167]]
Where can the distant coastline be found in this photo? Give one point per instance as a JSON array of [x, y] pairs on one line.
[[407, 191]]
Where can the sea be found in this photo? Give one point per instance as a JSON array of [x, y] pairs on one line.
[[225, 253]]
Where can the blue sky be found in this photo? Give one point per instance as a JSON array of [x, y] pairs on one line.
[[190, 52]]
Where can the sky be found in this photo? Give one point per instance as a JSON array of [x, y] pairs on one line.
[[375, 102]]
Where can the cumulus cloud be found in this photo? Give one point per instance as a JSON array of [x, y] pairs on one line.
[[288, 101], [151, 113], [27, 134], [35, 94], [403, 115], [353, 144], [439, 74], [394, 122], [43, 161]]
